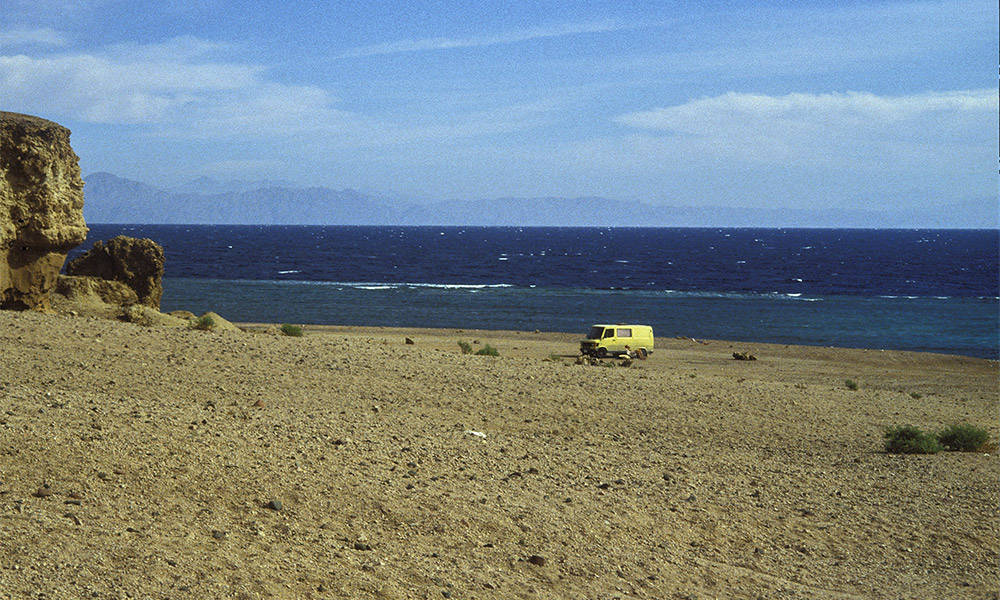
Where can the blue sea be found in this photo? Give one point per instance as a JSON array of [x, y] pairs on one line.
[[925, 290]]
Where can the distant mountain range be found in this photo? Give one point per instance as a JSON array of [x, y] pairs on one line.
[[112, 199]]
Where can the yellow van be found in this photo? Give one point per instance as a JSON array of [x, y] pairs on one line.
[[618, 339]]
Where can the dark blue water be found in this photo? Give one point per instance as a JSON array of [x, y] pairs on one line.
[[932, 290]]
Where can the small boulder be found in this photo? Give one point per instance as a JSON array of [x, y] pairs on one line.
[[149, 317], [93, 290], [217, 323], [138, 263]]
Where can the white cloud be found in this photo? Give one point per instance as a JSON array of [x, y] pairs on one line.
[[183, 88], [162, 85], [41, 36], [513, 37], [103, 89], [827, 128], [179, 49]]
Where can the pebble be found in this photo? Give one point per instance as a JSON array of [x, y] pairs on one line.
[[219, 535], [538, 561], [273, 504], [363, 546], [43, 492]]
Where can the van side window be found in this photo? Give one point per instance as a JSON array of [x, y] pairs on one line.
[[609, 332], [624, 333]]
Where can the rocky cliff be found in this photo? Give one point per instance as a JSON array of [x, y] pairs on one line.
[[138, 263], [41, 208]]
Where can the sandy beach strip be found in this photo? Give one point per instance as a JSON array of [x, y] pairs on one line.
[[174, 463]]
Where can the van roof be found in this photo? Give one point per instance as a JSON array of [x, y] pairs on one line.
[[618, 325]]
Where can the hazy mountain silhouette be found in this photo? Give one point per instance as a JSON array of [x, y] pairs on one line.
[[112, 199]]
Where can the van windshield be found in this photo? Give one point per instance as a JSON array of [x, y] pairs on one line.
[[595, 333]]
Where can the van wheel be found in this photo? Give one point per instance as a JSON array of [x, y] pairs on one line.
[[642, 354], [602, 353]]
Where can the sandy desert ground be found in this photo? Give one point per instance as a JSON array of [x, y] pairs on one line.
[[140, 462]]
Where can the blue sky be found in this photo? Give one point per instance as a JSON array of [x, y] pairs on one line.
[[807, 104]]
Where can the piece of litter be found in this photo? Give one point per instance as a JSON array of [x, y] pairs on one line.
[[475, 433]]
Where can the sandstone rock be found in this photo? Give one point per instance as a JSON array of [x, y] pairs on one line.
[[41, 208], [144, 315], [218, 323], [90, 290], [138, 263]]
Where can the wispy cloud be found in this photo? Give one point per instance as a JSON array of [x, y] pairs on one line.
[[112, 86], [183, 88], [23, 36], [828, 128], [511, 37]]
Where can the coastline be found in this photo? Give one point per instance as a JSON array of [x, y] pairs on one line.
[[687, 474]]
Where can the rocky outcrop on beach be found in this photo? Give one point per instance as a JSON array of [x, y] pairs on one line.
[[41, 208], [138, 263], [90, 290]]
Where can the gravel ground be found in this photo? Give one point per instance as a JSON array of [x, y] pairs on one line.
[[140, 462]]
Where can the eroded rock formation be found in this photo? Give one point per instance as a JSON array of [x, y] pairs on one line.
[[41, 208], [138, 263], [91, 290]]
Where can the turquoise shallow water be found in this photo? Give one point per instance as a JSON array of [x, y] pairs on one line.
[[967, 326], [930, 290]]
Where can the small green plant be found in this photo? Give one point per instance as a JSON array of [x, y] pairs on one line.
[[907, 439], [291, 330], [204, 323], [851, 384], [916, 395], [465, 346], [487, 350], [964, 438]]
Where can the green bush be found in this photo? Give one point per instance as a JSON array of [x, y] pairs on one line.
[[488, 350], [907, 439], [204, 323], [291, 330], [916, 395], [851, 384], [964, 437], [465, 346]]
